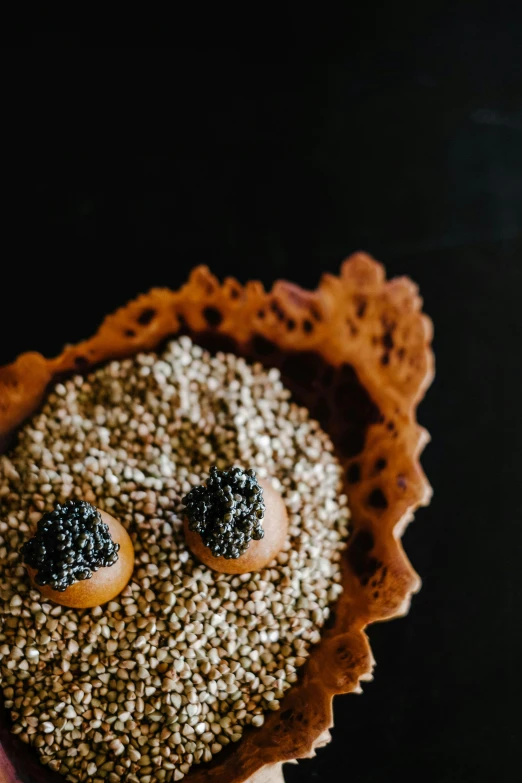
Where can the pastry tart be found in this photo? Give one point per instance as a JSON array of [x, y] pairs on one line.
[[355, 355]]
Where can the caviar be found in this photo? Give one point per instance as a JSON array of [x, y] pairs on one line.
[[70, 544], [227, 512]]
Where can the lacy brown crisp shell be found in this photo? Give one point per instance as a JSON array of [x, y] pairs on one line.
[[357, 353]]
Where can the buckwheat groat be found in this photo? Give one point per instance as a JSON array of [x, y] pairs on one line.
[[174, 668]]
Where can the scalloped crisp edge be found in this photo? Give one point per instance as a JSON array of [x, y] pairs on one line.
[[359, 321]]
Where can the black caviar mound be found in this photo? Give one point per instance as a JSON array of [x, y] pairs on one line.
[[227, 511], [70, 544]]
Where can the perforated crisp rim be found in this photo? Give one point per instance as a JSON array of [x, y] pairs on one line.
[[357, 352]]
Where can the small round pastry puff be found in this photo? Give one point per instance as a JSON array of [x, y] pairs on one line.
[[105, 584], [259, 553]]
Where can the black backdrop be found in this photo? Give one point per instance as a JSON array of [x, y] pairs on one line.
[[124, 168]]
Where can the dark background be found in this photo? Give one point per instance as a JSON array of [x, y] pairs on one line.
[[401, 135]]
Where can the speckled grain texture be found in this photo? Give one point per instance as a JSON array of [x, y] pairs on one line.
[[357, 353]]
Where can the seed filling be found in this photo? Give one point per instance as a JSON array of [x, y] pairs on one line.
[[177, 666]]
